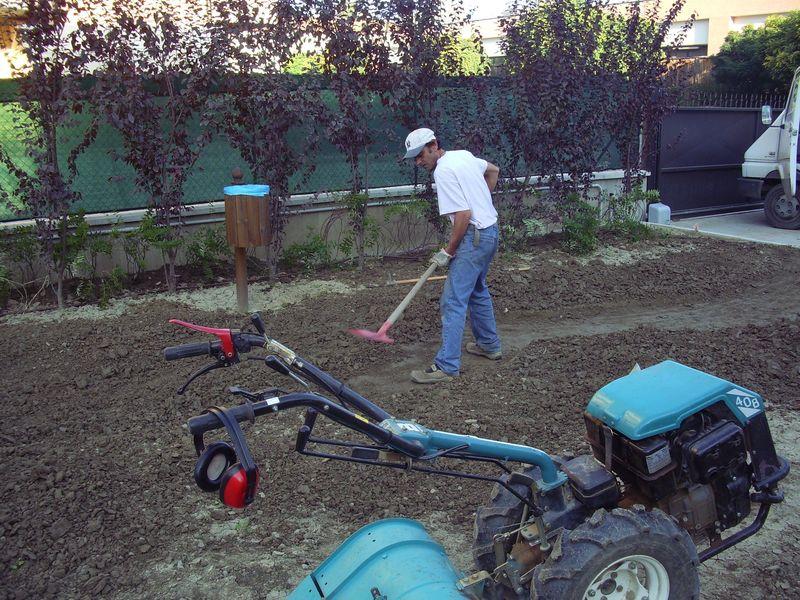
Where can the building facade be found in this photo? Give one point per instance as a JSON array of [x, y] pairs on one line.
[[12, 15], [714, 19]]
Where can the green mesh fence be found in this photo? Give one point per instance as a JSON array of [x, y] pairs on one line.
[[106, 184]]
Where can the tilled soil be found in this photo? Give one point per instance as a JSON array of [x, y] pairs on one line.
[[97, 497]]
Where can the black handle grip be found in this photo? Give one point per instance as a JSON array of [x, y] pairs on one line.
[[258, 323], [188, 350], [209, 422]]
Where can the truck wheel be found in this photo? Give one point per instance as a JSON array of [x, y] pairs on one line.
[[780, 210], [620, 554], [504, 513]]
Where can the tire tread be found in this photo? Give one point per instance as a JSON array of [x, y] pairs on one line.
[[556, 578]]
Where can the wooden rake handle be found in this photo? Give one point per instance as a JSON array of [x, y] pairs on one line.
[[398, 312], [405, 281]]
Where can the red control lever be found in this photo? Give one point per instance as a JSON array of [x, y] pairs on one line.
[[224, 335]]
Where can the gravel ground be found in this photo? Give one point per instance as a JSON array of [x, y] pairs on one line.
[[97, 497]]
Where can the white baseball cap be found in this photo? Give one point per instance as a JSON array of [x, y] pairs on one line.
[[416, 140]]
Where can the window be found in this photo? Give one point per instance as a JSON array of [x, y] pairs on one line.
[[696, 35], [739, 23], [491, 47], [690, 51]]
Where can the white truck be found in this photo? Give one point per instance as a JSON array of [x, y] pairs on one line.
[[769, 171]]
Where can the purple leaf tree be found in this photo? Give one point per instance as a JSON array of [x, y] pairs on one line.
[[156, 69], [582, 77], [270, 117], [47, 122], [353, 38]]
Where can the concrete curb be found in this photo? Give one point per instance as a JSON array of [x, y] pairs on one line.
[[690, 230]]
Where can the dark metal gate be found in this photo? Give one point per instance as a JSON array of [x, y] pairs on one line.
[[699, 157]]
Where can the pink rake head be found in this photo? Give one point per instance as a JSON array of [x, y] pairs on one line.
[[380, 335], [375, 336]]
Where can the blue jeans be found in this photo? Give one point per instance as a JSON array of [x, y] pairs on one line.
[[465, 288]]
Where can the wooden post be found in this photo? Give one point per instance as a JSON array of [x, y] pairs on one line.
[[247, 225], [240, 258], [237, 176]]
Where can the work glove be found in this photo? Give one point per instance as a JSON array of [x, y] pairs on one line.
[[441, 258]]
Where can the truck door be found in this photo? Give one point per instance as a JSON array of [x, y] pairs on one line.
[[787, 144]]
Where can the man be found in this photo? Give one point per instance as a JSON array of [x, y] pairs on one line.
[[464, 187]]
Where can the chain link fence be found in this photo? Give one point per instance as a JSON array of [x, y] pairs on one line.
[[108, 185]]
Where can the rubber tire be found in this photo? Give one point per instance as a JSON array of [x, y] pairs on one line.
[[580, 555], [773, 218], [504, 511]]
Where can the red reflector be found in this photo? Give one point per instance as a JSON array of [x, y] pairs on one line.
[[234, 491]]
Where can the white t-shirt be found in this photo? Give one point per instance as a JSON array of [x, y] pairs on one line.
[[460, 186]]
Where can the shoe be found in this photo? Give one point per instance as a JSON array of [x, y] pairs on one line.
[[473, 348], [432, 374]]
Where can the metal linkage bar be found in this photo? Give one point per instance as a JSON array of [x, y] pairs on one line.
[[410, 464]]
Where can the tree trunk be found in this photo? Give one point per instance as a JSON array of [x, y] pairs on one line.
[[166, 270], [61, 266], [360, 246], [60, 289], [169, 270], [279, 195], [272, 250]]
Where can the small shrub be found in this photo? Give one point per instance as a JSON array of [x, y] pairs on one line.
[[89, 247], [370, 235], [71, 252], [516, 237], [415, 208], [308, 256], [161, 237], [22, 249], [522, 214], [407, 227], [623, 214], [5, 285], [364, 231], [97, 245], [625, 207], [580, 227], [207, 249], [84, 291], [111, 286], [84, 248], [634, 230], [134, 246], [345, 245]]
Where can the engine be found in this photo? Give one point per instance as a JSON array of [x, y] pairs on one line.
[[668, 437], [698, 473]]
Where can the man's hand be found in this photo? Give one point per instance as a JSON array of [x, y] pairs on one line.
[[441, 258]]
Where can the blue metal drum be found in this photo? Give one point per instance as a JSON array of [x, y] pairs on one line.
[[392, 558]]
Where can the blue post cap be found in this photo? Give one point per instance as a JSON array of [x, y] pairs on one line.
[[246, 190]]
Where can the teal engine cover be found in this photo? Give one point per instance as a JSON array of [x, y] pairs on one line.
[[657, 399], [395, 557]]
